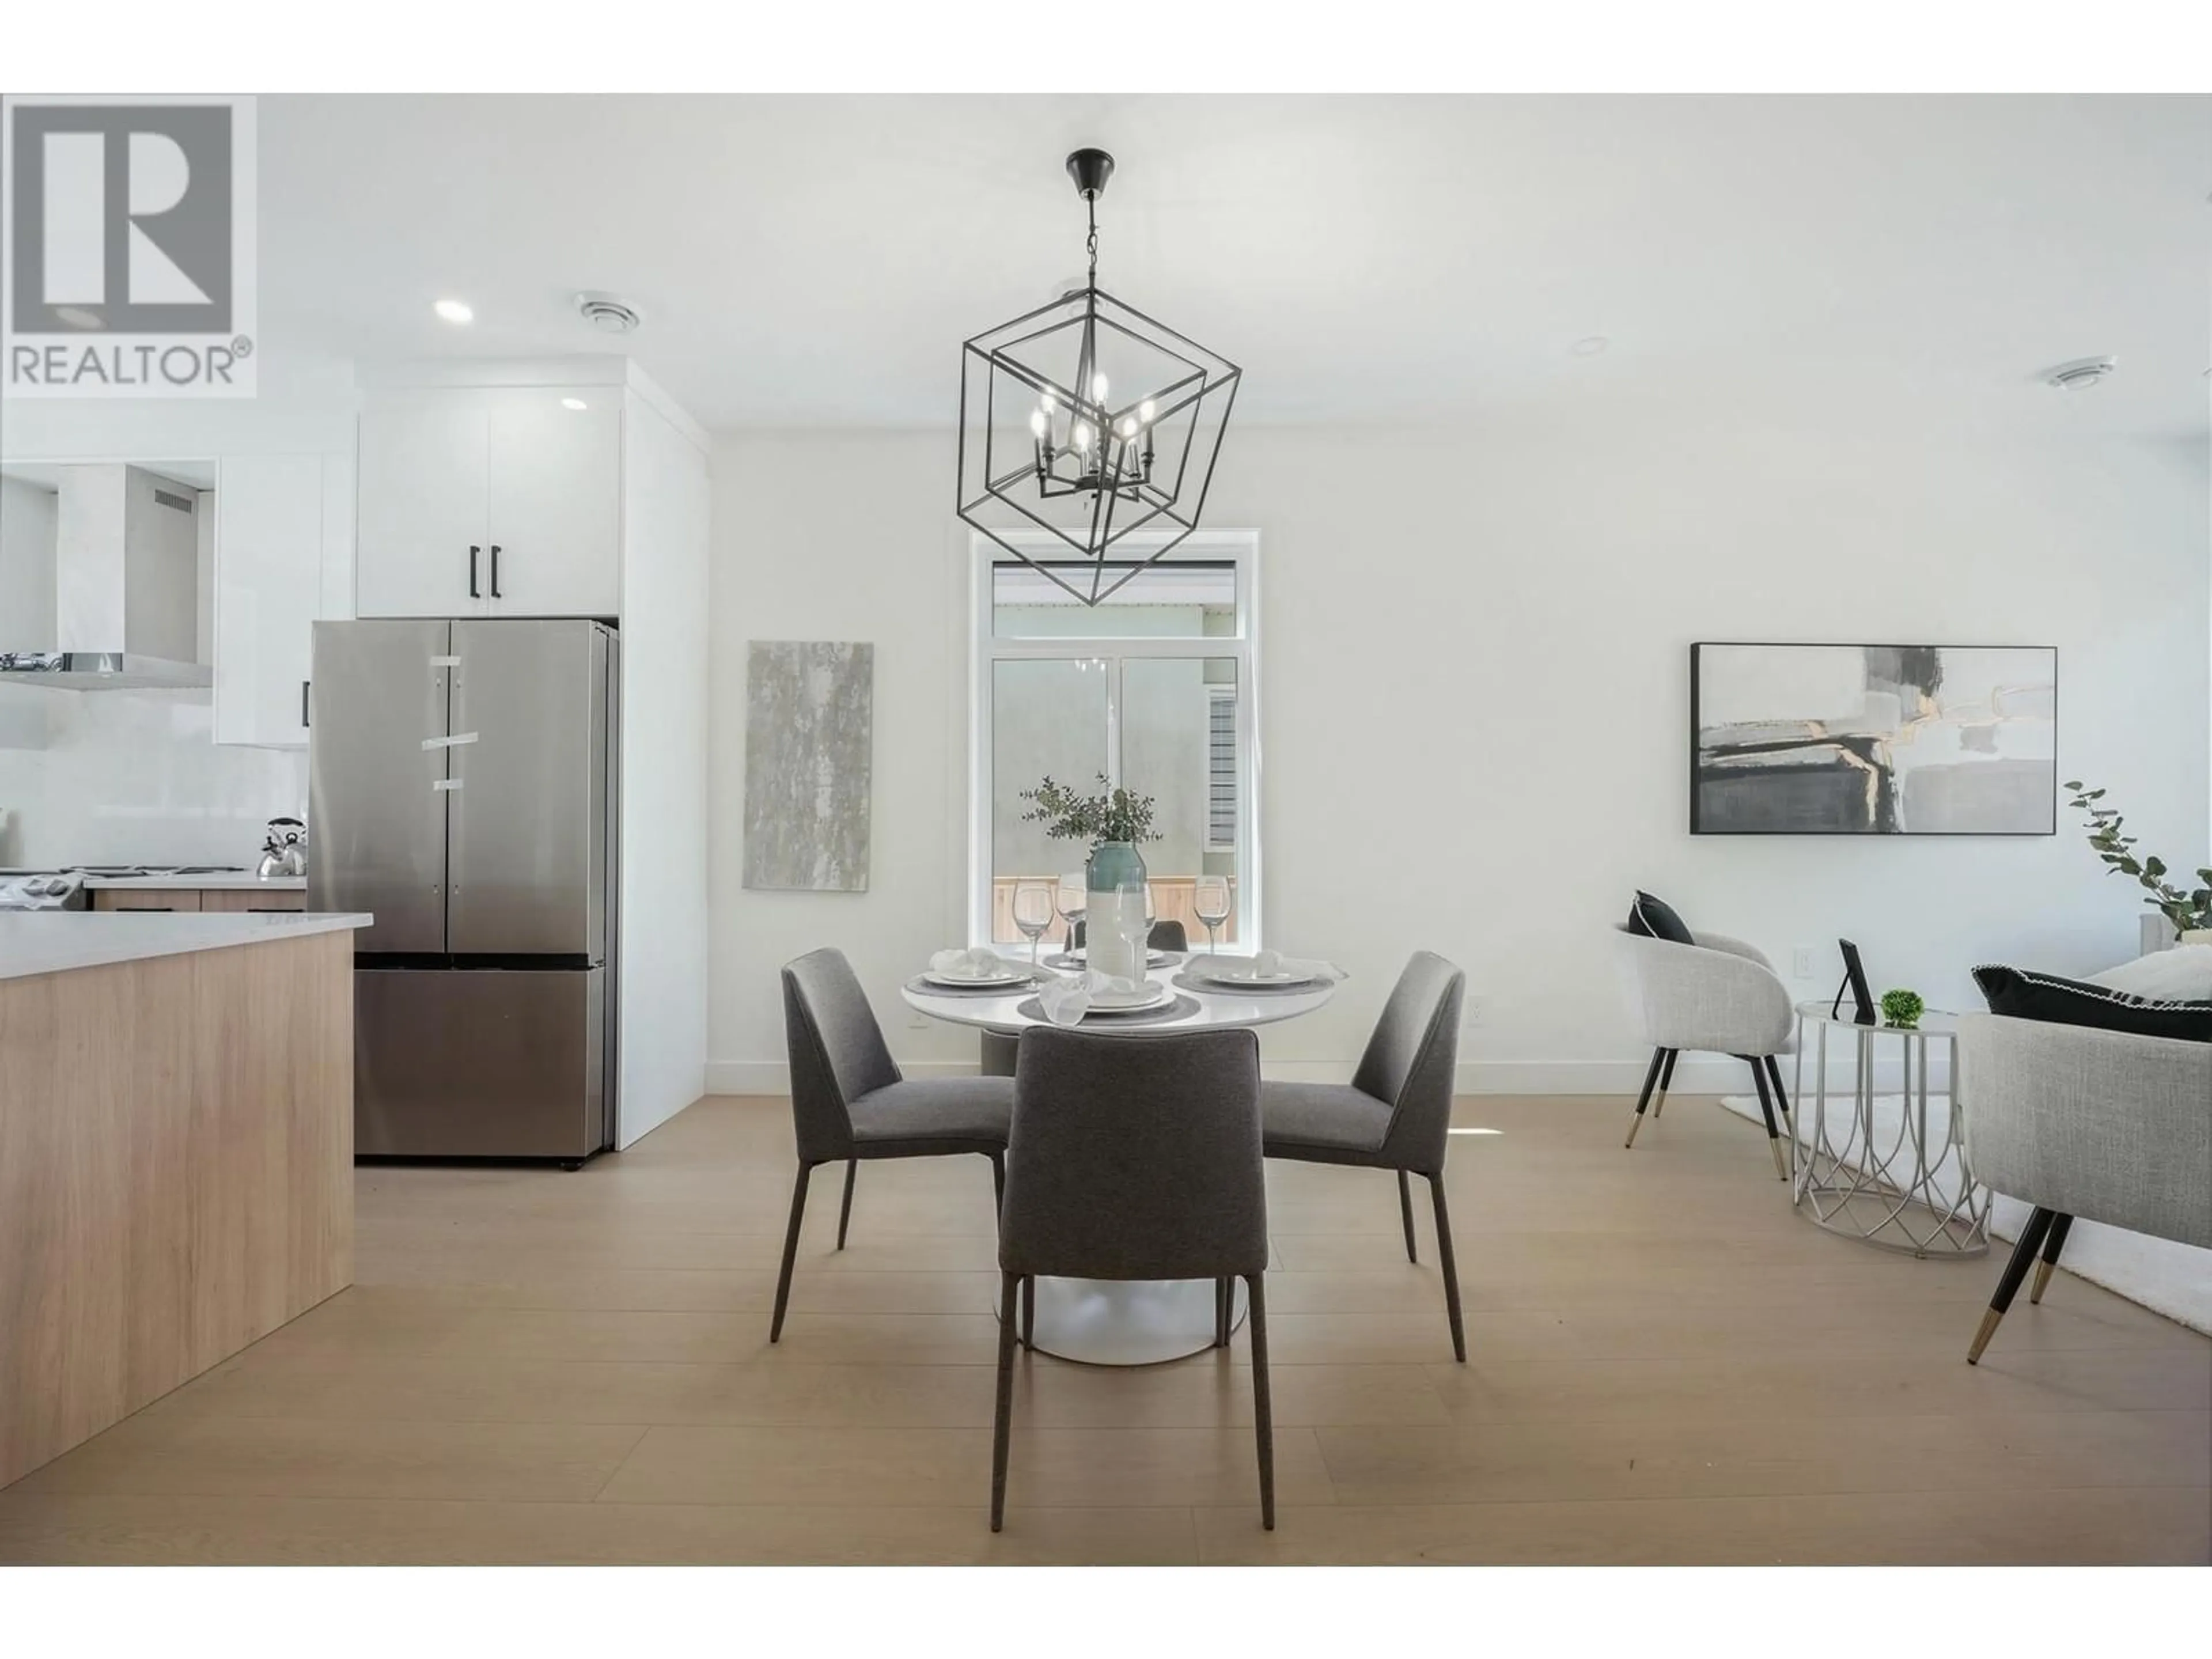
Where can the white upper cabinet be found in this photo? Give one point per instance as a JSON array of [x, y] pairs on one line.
[[555, 496], [487, 503], [282, 538], [421, 546]]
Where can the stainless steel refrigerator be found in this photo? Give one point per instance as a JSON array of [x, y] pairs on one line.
[[462, 786]]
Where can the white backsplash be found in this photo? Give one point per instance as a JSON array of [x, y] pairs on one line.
[[134, 777]]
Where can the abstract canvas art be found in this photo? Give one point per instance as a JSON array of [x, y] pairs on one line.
[[1874, 739], [810, 718]]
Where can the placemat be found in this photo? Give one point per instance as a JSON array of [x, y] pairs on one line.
[[1180, 1008]]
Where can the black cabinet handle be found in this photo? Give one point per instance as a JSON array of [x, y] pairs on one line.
[[303, 702], [473, 551], [495, 571]]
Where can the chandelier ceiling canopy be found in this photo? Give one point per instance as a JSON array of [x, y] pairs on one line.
[[1089, 421]]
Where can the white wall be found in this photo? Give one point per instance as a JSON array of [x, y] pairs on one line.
[[1475, 700]]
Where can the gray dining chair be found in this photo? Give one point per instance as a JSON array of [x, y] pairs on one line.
[[1134, 1158], [1395, 1114], [999, 1048], [1167, 935], [850, 1102]]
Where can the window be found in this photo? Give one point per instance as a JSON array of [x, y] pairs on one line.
[[1157, 689]]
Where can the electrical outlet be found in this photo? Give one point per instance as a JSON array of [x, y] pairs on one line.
[[1801, 964], [1471, 1011], [919, 1022]]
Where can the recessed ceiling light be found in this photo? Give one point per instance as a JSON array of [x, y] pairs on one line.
[[574, 403], [1590, 345], [2079, 374], [453, 310]]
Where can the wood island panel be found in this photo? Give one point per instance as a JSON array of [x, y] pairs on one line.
[[176, 1173]]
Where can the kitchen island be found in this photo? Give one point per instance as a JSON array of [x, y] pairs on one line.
[[176, 1153]]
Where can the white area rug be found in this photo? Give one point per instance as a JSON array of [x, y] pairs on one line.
[[2169, 1279]]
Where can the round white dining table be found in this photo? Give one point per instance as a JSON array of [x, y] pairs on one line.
[[1102, 1321]]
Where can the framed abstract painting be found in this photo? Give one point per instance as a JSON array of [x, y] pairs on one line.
[[809, 757], [1874, 739]]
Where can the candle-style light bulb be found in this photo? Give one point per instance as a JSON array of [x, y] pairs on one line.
[[1038, 424], [1128, 427], [1098, 388], [1145, 410], [1082, 435]]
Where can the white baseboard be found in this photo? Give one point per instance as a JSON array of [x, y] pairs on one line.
[[1694, 1074]]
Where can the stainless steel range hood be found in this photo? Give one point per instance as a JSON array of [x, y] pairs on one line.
[[125, 590]]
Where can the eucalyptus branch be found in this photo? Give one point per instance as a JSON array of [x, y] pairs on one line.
[[2187, 908], [1110, 815]]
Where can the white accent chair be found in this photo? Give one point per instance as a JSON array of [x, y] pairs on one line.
[[2080, 1122], [1718, 996]]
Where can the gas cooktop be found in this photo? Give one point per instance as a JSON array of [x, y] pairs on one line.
[[130, 869]]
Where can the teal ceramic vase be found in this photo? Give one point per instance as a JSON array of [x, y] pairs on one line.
[[1114, 925]]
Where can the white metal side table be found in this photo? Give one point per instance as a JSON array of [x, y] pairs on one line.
[[1891, 1169]]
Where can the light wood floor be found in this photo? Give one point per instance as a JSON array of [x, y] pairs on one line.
[[1666, 1364]]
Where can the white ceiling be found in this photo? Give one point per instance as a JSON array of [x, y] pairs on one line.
[[817, 262]]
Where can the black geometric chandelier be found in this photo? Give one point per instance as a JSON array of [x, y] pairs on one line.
[[1087, 419]]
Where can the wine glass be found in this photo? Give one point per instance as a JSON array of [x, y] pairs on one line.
[[1152, 916], [1033, 910], [1072, 898], [1210, 902]]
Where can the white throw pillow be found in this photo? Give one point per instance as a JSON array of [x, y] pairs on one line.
[[2181, 974]]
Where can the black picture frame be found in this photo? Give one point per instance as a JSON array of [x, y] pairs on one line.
[[1698, 827], [1855, 981]]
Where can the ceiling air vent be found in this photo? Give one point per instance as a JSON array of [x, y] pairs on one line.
[[2079, 374], [606, 313], [175, 503]]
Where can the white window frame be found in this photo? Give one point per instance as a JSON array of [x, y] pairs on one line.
[[1239, 549]]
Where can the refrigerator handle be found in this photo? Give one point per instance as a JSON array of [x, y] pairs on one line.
[[303, 702], [473, 551], [494, 570]]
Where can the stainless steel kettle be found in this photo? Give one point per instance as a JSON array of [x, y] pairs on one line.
[[284, 852]]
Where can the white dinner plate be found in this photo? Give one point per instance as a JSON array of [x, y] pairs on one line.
[[1130, 1002], [1264, 982], [985, 982], [1152, 958]]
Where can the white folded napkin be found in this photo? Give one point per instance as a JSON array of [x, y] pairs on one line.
[[981, 962], [1066, 999]]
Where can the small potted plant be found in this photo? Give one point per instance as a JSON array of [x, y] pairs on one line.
[[1901, 1010]]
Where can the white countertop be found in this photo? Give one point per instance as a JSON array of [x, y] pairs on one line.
[[54, 941], [227, 883]]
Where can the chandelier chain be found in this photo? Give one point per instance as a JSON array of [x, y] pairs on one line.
[[1090, 242]]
